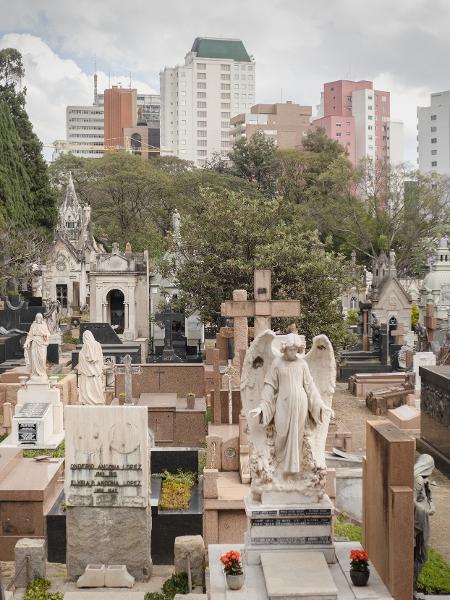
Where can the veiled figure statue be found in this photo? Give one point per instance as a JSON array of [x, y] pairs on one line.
[[423, 509], [287, 398], [35, 348], [90, 370]]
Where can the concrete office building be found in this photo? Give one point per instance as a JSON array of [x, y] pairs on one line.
[[198, 99], [433, 134], [285, 123]]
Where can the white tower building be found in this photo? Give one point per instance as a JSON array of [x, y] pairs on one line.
[[433, 134], [198, 99]]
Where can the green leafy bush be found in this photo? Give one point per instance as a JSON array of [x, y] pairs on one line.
[[415, 314], [37, 590], [177, 584], [176, 490], [435, 575], [352, 316]]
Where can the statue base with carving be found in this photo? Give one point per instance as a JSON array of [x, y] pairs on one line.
[[287, 527]]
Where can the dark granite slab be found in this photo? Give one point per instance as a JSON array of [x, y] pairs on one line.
[[103, 332]]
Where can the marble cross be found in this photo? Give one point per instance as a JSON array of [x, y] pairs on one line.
[[262, 308], [128, 370]]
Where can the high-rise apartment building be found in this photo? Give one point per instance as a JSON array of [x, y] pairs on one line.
[[285, 123], [120, 112], [359, 118], [433, 134], [198, 99]]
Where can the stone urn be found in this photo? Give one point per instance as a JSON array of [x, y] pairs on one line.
[[359, 578], [235, 582], [190, 400]]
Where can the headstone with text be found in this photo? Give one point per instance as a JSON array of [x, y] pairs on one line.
[[107, 483]]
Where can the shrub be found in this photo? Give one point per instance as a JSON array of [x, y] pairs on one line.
[[37, 590], [176, 490], [58, 452], [343, 528], [352, 316], [435, 575], [415, 314], [177, 584]]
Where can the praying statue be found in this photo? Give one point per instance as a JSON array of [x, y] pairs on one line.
[[90, 370], [287, 398], [423, 509], [35, 348]]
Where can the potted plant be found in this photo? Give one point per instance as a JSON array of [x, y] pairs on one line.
[[190, 400], [359, 567], [232, 567]]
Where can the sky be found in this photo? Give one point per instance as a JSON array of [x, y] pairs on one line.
[[403, 46]]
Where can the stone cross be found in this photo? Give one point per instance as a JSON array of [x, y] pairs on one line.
[[128, 371], [262, 308]]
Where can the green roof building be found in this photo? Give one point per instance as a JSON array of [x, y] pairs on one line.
[[198, 99]]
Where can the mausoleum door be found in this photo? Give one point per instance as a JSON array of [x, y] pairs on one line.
[[116, 305]]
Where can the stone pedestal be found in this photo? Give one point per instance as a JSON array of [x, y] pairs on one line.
[[38, 420], [287, 528], [30, 561]]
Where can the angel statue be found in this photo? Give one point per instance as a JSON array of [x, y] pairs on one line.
[[287, 399]]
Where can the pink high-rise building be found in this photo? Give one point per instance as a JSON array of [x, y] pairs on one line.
[[358, 117]]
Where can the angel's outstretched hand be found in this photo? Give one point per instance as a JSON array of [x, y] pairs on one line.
[[328, 410]]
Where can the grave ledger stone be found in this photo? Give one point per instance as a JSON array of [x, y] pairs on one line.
[[107, 488]]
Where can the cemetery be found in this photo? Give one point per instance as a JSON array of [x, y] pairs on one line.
[[118, 470], [208, 391]]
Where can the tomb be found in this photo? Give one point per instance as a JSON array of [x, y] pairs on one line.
[[28, 489], [107, 486], [361, 384], [119, 284], [435, 415], [381, 400], [38, 419]]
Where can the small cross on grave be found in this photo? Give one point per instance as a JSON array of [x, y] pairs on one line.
[[128, 370], [231, 373], [262, 308], [168, 353]]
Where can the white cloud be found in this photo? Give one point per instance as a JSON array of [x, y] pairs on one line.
[[53, 83]]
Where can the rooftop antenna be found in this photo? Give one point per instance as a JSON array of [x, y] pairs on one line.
[[109, 79], [130, 80], [281, 95]]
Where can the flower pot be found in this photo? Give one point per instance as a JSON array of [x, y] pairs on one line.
[[235, 582], [359, 578], [190, 401]]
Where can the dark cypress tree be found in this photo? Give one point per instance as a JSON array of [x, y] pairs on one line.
[[43, 198], [15, 196]]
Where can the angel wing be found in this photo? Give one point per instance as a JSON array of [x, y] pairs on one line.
[[322, 365], [258, 360]]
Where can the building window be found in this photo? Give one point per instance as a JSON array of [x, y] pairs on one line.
[[201, 94], [225, 144], [225, 86], [201, 75], [370, 117], [434, 152], [201, 66], [202, 152], [434, 140], [434, 129], [224, 77], [225, 124], [201, 133], [224, 134], [201, 85], [201, 113], [225, 105], [225, 115], [370, 108], [338, 134], [202, 142], [370, 127], [434, 163], [338, 124], [433, 117], [225, 96], [201, 123], [201, 104], [225, 68]]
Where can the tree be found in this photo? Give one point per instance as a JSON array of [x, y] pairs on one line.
[[255, 160], [15, 195], [43, 197], [221, 247]]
